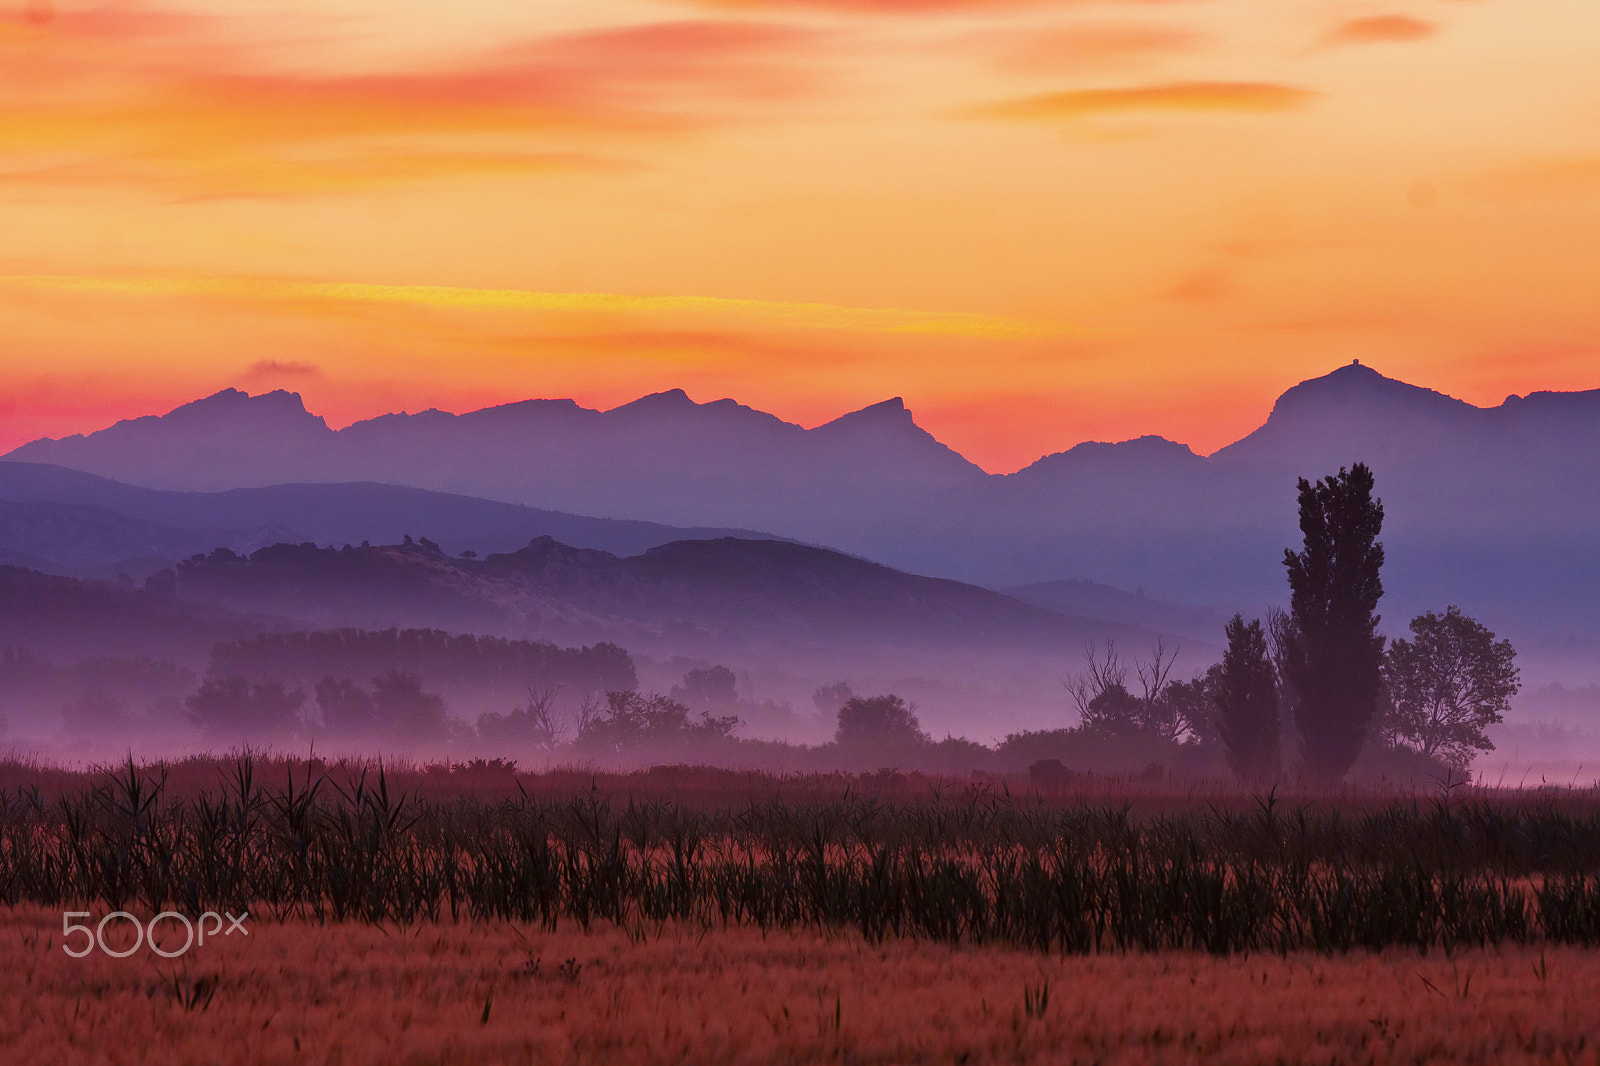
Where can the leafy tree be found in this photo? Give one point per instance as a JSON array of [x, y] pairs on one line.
[[1335, 654], [1247, 703], [829, 698], [534, 724], [453, 662], [707, 688], [94, 712], [1161, 709], [1281, 635], [1101, 693], [878, 720], [347, 708], [632, 720], [1447, 684], [1193, 705], [410, 714], [232, 709], [1114, 711]]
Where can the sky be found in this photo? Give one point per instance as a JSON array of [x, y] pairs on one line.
[[1038, 221]]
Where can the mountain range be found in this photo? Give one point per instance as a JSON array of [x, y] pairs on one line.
[[1495, 509], [662, 458]]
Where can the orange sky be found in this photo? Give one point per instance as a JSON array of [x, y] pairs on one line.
[[1039, 221]]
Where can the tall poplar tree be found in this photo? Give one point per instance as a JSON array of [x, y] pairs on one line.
[[1335, 656], [1247, 703]]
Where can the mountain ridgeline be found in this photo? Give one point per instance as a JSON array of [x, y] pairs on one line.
[[698, 597], [1493, 508], [663, 456]]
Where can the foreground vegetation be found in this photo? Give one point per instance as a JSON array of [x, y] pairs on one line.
[[299, 991], [974, 865]]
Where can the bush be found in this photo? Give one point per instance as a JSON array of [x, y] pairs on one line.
[[408, 713], [632, 721], [1088, 751], [878, 720], [347, 709], [236, 709], [1398, 766], [1049, 774]]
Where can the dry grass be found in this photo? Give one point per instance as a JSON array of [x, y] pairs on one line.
[[299, 992]]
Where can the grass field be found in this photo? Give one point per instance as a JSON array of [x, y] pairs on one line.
[[499, 992], [701, 916]]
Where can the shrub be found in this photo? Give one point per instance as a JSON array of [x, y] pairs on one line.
[[631, 720], [235, 709], [878, 720]]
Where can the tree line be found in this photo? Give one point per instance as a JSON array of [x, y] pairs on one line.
[[1319, 672], [447, 659]]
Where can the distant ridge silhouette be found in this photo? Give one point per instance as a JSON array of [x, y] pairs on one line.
[[695, 596], [1493, 508], [65, 520]]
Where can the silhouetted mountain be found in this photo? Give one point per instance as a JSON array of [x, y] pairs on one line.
[[1317, 421], [1529, 465], [1492, 508], [656, 458], [58, 519], [194, 446]]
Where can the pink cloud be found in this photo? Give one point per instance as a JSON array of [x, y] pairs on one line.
[[1380, 29], [1193, 96]]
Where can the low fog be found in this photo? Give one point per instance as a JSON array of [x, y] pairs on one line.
[[729, 651]]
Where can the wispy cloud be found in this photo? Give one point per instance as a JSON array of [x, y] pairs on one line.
[[165, 100], [442, 297], [277, 369], [1066, 49], [1379, 29], [921, 7], [1559, 176], [1242, 97]]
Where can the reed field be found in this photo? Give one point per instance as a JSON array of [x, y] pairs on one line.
[[705, 916], [959, 866]]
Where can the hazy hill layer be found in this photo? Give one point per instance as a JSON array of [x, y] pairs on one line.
[[793, 616], [67, 619], [73, 521], [1494, 509], [708, 597]]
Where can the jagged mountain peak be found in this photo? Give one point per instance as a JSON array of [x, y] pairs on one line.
[[1356, 384], [675, 406], [887, 412], [1150, 444], [1558, 403], [1147, 452], [1352, 414], [893, 409], [672, 400], [889, 428], [234, 403]]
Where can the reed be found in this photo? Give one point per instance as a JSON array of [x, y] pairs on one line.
[[979, 867]]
